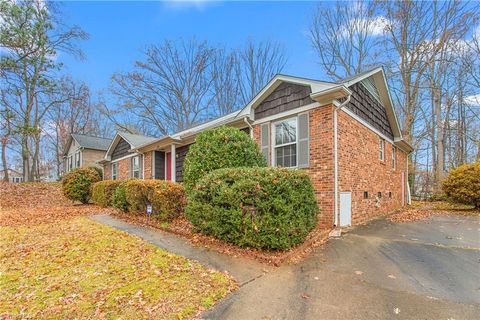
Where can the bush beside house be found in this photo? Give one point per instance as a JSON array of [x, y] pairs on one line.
[[167, 198], [103, 192], [77, 184], [222, 147], [463, 184], [268, 208]]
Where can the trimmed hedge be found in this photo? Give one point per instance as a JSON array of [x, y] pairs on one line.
[[268, 208], [77, 184], [120, 197], [167, 198], [103, 191], [463, 184], [222, 147]]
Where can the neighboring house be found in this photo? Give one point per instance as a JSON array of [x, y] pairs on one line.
[[345, 135], [121, 161], [84, 151], [14, 176]]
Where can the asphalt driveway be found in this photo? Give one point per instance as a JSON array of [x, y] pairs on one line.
[[417, 270]]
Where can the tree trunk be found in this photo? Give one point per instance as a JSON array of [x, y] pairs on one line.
[[4, 161]]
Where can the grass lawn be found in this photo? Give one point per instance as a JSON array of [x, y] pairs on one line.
[[77, 268]]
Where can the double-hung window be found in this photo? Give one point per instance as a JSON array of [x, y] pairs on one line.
[[77, 159], [382, 149], [285, 142], [114, 170], [136, 167], [394, 157], [70, 163]]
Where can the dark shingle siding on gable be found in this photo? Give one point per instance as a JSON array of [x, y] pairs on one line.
[[286, 97], [363, 104], [121, 150]]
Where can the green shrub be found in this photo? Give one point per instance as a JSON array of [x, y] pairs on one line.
[[222, 147], [463, 184], [167, 198], [100, 171], [77, 184], [269, 208], [120, 197], [103, 192]]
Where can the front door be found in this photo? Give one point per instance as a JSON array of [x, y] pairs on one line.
[[168, 166], [345, 209]]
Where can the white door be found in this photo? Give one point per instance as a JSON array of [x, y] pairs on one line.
[[345, 209]]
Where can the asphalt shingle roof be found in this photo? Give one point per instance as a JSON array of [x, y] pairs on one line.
[[92, 142], [136, 140]]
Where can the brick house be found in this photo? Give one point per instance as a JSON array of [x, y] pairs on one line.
[[345, 135], [121, 161], [84, 151]]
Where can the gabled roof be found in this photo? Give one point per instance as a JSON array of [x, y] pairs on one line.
[[88, 142], [135, 140], [378, 76], [315, 85]]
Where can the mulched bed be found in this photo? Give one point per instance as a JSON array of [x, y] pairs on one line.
[[182, 227]]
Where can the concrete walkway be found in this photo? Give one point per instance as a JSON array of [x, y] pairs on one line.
[[243, 270], [419, 270]]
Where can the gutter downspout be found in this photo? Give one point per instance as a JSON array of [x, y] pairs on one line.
[[250, 126], [337, 106]]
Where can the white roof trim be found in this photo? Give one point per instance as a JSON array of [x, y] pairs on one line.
[[384, 93], [315, 86], [114, 143]]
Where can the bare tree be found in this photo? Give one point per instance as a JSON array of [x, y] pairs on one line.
[[226, 85], [257, 64], [345, 37], [170, 89], [32, 34]]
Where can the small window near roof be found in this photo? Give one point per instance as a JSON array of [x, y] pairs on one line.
[[365, 195], [382, 149]]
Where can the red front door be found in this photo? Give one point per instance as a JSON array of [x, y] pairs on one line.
[[169, 166]]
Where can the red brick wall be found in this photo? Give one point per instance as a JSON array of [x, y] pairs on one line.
[[360, 170], [147, 172], [321, 160], [123, 169], [359, 166]]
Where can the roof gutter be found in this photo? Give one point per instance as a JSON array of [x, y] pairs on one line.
[[337, 106]]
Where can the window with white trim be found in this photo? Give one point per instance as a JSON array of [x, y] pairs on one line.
[[285, 143], [114, 170], [77, 159], [382, 149], [394, 157], [136, 167], [70, 163]]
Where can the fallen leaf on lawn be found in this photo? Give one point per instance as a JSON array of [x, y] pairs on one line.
[[316, 278], [305, 296], [358, 272], [391, 276], [396, 310]]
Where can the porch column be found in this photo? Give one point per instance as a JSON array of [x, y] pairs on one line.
[[173, 158]]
